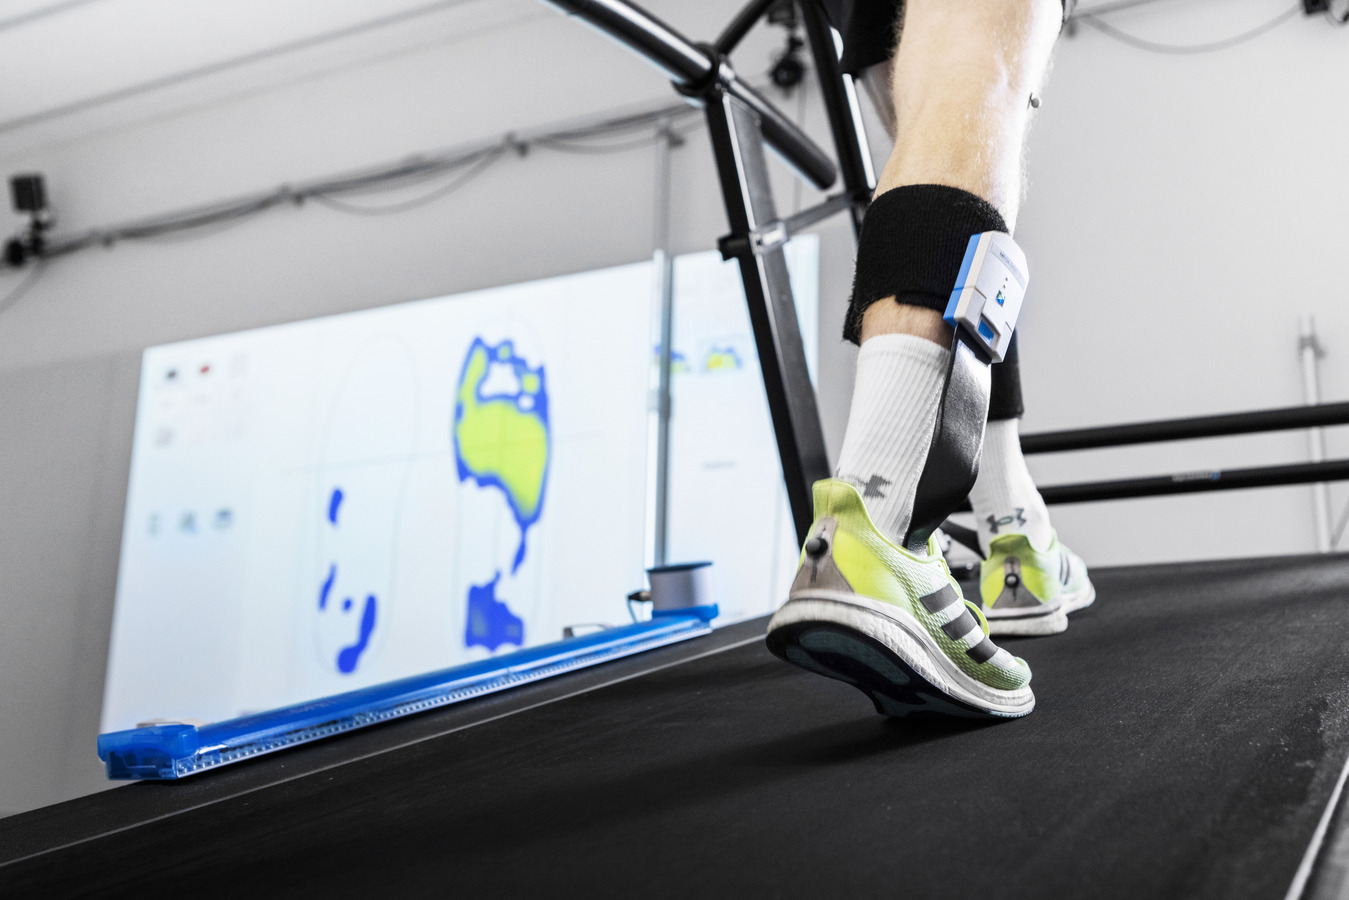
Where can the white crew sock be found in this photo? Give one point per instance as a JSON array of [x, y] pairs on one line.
[[890, 424], [1004, 497]]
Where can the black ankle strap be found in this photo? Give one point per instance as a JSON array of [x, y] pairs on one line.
[[953, 457]]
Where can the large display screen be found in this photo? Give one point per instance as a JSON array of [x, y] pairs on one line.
[[324, 505]]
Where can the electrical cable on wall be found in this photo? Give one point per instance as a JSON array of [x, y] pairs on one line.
[[1095, 21], [612, 135], [464, 165], [484, 161], [570, 146]]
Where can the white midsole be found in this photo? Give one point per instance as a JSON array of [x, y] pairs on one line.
[[1024, 612], [902, 633], [1084, 597], [1055, 623]]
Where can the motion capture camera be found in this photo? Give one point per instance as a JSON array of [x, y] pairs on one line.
[[987, 297], [788, 71], [28, 195]]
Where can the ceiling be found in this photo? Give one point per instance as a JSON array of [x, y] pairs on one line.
[[68, 67]]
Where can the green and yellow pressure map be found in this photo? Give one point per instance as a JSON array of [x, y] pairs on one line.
[[501, 441]]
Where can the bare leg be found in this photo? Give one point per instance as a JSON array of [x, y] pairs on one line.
[[960, 84], [960, 118]]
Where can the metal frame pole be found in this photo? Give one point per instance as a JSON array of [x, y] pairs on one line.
[[845, 116], [697, 69], [664, 260], [1309, 349], [737, 143]]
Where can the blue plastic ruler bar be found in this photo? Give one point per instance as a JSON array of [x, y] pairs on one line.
[[166, 752]]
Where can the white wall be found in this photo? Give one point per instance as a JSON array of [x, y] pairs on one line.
[[1181, 215], [1183, 211]]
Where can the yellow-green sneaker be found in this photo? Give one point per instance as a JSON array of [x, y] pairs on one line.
[[1025, 591], [890, 622]]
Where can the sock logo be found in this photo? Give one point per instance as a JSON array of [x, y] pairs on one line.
[[870, 487], [994, 523], [873, 486]]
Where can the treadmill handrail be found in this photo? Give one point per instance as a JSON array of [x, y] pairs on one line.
[[696, 69], [1284, 418]]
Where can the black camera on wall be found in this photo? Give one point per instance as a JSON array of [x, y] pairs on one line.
[[28, 194]]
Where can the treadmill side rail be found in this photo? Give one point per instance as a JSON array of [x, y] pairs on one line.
[[172, 751]]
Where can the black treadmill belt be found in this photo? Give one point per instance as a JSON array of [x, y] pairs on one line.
[[1189, 732]]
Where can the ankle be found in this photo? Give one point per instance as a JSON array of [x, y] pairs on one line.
[[886, 316], [1005, 499], [894, 410]]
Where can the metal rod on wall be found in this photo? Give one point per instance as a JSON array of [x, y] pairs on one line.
[[1188, 429], [1309, 348], [664, 260]]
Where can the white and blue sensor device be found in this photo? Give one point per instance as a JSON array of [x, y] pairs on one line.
[[987, 297]]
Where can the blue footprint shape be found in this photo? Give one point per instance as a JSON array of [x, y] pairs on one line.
[[490, 621], [349, 656]]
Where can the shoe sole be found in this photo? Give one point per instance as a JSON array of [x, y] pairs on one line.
[[885, 653]]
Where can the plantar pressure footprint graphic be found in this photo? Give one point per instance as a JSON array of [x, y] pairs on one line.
[[362, 477]]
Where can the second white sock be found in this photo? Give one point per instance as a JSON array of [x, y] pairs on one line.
[[890, 423], [1004, 497]]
